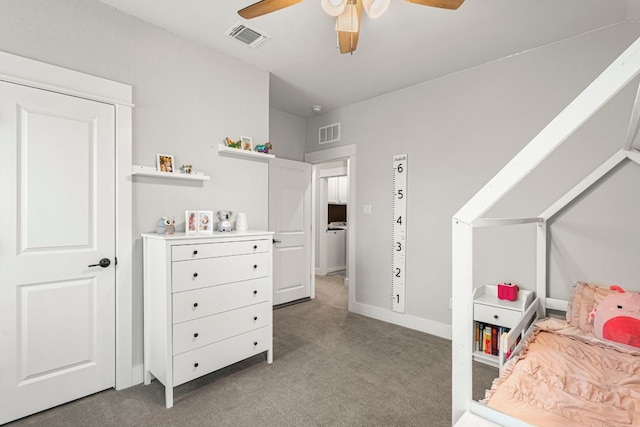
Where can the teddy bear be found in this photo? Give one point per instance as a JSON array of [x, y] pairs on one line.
[[166, 225], [224, 224]]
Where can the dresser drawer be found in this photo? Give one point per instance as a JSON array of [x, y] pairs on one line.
[[207, 330], [495, 315], [203, 360], [200, 273], [211, 250], [189, 305]]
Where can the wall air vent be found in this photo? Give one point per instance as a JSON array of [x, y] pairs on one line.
[[329, 133], [248, 36]]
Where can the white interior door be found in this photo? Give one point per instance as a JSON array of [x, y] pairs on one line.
[[57, 313], [290, 220]]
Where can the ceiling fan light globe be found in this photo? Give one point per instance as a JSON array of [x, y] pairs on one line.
[[333, 7], [348, 20], [375, 8]]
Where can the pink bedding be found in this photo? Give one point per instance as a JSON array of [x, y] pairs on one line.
[[566, 377]]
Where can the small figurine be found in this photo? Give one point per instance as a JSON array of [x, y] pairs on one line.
[[166, 225], [224, 224], [229, 143], [264, 148]]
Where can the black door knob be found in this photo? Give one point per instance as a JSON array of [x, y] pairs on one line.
[[104, 263]]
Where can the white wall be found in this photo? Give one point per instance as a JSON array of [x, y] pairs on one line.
[[458, 131], [287, 134], [180, 90]]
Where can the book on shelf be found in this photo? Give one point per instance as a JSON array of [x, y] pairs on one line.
[[487, 337]]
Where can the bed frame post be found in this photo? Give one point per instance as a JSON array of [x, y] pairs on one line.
[[541, 263], [462, 326]]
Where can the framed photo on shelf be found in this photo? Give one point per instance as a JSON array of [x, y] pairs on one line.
[[247, 143], [205, 222], [164, 162], [190, 222]]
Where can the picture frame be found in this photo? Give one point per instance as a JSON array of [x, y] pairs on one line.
[[205, 222], [165, 163], [190, 222], [246, 143]]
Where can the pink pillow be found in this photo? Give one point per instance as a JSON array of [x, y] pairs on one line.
[[584, 299]]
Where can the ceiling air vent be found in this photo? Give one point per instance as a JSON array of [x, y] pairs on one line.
[[329, 133], [249, 36]]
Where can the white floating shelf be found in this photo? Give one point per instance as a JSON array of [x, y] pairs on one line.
[[223, 149], [151, 171]]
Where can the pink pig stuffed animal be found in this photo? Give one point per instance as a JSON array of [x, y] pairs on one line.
[[617, 318]]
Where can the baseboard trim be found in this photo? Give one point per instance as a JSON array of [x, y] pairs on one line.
[[406, 320]]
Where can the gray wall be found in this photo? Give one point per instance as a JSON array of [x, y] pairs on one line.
[[458, 131], [181, 91], [286, 133]]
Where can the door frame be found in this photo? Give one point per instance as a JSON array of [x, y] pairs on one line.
[[344, 152], [40, 75]]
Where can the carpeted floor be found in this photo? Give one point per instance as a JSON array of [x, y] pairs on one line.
[[331, 368]]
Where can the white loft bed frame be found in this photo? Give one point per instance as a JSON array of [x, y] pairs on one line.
[[618, 75]]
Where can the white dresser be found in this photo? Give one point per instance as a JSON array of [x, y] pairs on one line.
[[207, 303]]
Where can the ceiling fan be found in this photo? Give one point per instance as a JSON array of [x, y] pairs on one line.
[[347, 12]]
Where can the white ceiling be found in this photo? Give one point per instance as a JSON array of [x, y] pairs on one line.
[[409, 44]]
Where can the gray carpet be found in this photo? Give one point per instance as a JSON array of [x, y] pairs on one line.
[[331, 368]]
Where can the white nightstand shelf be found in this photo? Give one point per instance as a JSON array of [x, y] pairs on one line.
[[223, 149], [139, 170], [490, 310]]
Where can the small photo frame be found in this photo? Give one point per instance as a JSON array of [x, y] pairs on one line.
[[205, 222], [247, 143], [164, 162], [191, 222]]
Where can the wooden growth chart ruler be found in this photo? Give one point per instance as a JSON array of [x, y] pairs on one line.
[[399, 232]]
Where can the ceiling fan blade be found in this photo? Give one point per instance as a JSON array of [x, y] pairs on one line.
[[348, 41], [265, 6], [444, 4]]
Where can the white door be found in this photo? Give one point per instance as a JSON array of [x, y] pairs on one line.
[[290, 220], [57, 312]]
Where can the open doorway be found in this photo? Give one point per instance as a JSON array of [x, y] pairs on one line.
[[343, 159], [331, 208]]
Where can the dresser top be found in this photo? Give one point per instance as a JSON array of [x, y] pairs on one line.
[[214, 235]]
